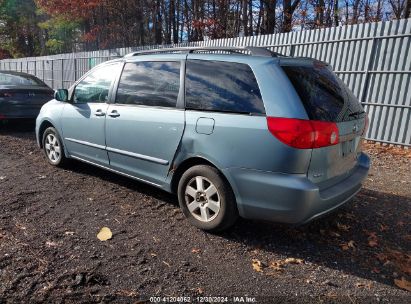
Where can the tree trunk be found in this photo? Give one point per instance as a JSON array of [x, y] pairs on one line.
[[288, 11], [407, 10], [244, 17], [271, 4], [336, 16]]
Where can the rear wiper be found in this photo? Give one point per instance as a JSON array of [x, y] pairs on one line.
[[356, 113]]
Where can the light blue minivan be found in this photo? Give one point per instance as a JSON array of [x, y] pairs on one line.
[[232, 131]]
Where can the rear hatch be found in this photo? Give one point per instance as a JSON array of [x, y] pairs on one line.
[[326, 98]]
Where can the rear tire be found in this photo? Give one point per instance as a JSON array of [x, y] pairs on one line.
[[53, 147], [206, 199]]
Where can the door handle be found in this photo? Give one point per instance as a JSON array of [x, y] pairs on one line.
[[114, 113], [99, 112]]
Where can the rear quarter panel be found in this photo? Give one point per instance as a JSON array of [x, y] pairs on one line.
[[240, 141], [243, 141]]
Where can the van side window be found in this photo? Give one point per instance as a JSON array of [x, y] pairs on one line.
[[95, 87], [223, 87], [150, 84]]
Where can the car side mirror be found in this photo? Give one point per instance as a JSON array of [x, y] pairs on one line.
[[61, 95]]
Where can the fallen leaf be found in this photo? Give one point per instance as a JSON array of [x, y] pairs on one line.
[[127, 293], [372, 243], [403, 283], [257, 265], [276, 266], [361, 285], [343, 227], [195, 250], [400, 260], [347, 246], [293, 261], [51, 244], [333, 233], [165, 263], [279, 265], [407, 237], [104, 234], [2, 177], [383, 227]]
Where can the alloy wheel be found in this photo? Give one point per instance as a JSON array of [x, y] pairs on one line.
[[53, 149], [202, 199]]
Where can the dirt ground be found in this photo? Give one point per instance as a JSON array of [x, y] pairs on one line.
[[49, 251]]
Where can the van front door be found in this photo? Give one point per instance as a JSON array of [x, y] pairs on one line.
[[83, 119]]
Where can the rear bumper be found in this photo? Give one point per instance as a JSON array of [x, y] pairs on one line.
[[289, 198]]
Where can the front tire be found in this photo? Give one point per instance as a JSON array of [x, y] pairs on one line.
[[53, 147], [206, 199]]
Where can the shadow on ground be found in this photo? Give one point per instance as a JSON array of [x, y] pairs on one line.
[[369, 237], [19, 128]]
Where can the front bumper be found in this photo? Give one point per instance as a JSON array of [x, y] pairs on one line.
[[291, 198]]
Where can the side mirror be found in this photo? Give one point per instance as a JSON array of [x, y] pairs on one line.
[[61, 95]]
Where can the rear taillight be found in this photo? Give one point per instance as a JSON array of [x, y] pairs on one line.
[[6, 94], [303, 134], [367, 123]]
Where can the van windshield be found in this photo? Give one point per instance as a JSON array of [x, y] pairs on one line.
[[324, 95]]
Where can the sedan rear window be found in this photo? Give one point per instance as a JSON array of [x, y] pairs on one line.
[[324, 95], [19, 79]]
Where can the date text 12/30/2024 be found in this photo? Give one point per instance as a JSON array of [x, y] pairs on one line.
[[203, 299]]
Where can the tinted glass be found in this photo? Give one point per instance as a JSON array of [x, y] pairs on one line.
[[222, 86], [18, 79], [149, 84], [96, 86], [324, 95]]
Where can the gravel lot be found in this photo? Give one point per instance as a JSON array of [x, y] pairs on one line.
[[49, 219]]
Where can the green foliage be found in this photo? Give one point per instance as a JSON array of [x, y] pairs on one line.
[[62, 34], [18, 30]]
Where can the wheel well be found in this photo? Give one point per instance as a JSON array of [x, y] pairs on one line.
[[184, 166], [44, 125]]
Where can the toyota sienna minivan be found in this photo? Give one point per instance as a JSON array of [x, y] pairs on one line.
[[231, 131]]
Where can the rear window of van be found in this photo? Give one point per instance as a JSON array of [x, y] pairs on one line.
[[324, 95]]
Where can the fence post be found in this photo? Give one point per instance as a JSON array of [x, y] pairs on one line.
[[368, 68], [75, 69], [52, 74], [62, 72], [44, 70]]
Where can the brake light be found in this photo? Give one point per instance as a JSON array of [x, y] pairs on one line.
[[367, 123], [303, 134], [6, 94]]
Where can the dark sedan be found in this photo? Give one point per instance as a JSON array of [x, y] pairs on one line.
[[22, 95]]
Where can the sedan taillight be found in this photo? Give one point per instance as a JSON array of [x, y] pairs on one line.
[[5, 94]]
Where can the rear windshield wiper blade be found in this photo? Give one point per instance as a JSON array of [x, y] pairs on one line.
[[356, 113]]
